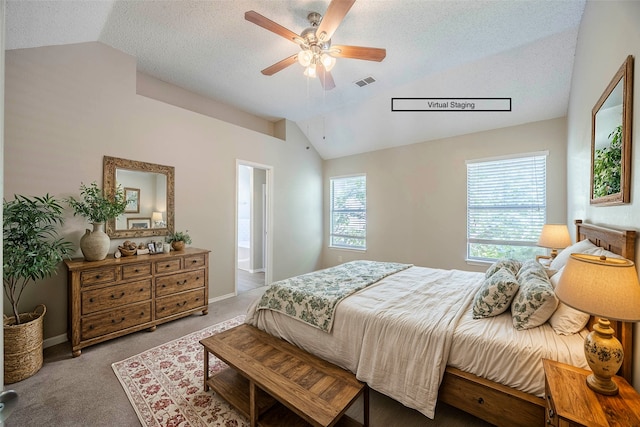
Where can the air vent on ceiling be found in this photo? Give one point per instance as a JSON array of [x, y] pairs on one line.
[[365, 81]]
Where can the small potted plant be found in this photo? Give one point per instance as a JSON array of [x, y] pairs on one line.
[[98, 209], [31, 251], [178, 240]]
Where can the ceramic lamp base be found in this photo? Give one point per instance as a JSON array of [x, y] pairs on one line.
[[604, 355]]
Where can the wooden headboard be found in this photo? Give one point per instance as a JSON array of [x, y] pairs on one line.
[[621, 242]]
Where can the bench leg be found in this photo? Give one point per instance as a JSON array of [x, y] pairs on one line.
[[253, 404], [206, 369], [366, 406]]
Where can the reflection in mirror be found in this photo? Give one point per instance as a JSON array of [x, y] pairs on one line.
[[150, 194], [611, 140]]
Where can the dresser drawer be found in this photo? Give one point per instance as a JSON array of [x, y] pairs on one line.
[[179, 303], [115, 320], [115, 296], [167, 266], [168, 285], [136, 270], [97, 276], [194, 261]]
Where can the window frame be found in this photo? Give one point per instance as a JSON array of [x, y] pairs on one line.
[[331, 214], [542, 187]]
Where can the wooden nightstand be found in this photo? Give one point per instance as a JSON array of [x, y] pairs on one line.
[[570, 402]]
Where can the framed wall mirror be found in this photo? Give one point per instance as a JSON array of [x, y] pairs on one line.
[[152, 210], [611, 120]]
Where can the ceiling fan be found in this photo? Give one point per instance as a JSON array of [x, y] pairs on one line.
[[317, 54]]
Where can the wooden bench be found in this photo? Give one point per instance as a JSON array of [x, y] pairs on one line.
[[274, 383]]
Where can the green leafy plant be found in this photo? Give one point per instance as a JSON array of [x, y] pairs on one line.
[[31, 247], [96, 206], [179, 236], [607, 166]]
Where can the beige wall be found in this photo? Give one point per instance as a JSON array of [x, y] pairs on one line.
[[68, 106], [608, 33], [416, 195]]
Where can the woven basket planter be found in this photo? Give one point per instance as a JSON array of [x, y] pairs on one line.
[[23, 345]]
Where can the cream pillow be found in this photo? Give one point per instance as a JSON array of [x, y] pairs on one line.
[[566, 320], [582, 247]]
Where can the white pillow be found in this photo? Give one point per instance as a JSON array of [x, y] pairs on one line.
[[582, 247], [566, 320]]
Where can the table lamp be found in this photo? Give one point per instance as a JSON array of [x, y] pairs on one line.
[[554, 237], [607, 288], [156, 218]]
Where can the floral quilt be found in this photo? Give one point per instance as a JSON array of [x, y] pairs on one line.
[[313, 297]]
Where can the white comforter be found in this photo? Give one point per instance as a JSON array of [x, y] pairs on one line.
[[394, 335]]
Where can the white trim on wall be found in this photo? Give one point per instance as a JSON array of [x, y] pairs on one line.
[[268, 265]]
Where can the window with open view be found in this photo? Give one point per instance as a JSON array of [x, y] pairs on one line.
[[348, 212], [506, 206]]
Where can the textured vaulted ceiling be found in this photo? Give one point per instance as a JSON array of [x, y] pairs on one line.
[[517, 49]]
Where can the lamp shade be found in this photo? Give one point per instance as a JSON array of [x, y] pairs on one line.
[[554, 236], [156, 217], [601, 286]]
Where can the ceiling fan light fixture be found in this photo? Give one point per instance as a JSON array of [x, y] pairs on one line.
[[305, 57], [328, 61], [310, 71]]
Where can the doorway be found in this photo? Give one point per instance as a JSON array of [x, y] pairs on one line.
[[253, 219]]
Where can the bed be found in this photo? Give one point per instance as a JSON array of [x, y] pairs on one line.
[[439, 352]]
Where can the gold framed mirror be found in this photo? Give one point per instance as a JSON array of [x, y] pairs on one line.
[[611, 120], [152, 209]]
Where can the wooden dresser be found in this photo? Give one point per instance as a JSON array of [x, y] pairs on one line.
[[115, 297]]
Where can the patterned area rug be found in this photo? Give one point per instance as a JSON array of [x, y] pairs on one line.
[[165, 384]]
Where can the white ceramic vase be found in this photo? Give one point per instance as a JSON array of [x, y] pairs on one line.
[[95, 244]]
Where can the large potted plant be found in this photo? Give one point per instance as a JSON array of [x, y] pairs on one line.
[[31, 251], [98, 209]]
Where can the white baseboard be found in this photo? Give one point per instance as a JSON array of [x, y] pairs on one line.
[[222, 297], [59, 339], [257, 270]]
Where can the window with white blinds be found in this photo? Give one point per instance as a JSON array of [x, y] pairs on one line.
[[349, 212], [506, 207]]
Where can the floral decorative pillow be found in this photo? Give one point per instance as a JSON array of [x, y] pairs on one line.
[[535, 301], [510, 264], [495, 294]]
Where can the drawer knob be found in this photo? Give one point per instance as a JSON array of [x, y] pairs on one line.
[[167, 266], [480, 400], [113, 296], [117, 321], [98, 276], [552, 413], [195, 261], [184, 282], [90, 299], [181, 305]]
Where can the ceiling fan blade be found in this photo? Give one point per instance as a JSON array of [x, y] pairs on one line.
[[268, 24], [279, 66], [332, 18], [359, 52], [326, 79]]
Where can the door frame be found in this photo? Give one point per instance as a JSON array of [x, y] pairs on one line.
[[268, 243]]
